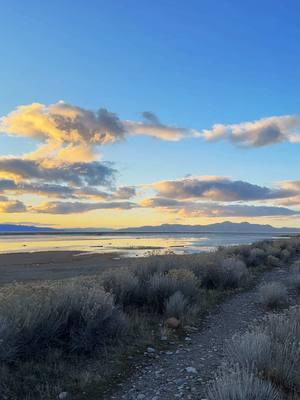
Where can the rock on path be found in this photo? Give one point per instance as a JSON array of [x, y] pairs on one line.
[[183, 371]]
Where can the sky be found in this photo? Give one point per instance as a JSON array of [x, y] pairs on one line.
[[126, 113]]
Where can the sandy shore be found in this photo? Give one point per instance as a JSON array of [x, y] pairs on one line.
[[48, 265]]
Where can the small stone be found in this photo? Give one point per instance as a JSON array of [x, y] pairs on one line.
[[191, 370], [172, 323], [150, 350], [180, 381], [163, 338], [63, 395], [140, 396]]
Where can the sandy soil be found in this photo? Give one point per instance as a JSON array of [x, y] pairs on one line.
[[26, 267]]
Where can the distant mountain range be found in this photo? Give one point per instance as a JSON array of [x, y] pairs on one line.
[[223, 227], [10, 228]]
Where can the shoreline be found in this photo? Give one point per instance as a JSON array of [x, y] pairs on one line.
[[55, 265]]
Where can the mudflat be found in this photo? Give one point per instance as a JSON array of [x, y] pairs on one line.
[[54, 265]]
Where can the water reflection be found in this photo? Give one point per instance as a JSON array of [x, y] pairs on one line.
[[127, 244]]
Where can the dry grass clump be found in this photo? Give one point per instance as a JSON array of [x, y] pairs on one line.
[[270, 351], [294, 280], [251, 350], [240, 384], [272, 295], [177, 306], [283, 367]]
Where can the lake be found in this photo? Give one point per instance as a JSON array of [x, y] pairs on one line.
[[131, 245]]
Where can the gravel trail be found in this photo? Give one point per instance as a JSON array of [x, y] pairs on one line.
[[183, 370]]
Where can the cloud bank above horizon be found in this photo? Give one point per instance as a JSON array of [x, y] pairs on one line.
[[66, 167]]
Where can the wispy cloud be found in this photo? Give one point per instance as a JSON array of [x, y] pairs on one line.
[[258, 133], [60, 207]]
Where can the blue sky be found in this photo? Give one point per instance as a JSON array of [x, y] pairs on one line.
[[193, 64]]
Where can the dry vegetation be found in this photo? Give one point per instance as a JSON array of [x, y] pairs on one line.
[[264, 362], [63, 336]]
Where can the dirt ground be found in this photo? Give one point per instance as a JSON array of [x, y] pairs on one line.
[[26, 267]]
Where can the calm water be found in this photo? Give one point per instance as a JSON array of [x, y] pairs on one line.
[[127, 244]]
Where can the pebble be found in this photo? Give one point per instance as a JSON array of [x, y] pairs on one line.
[[151, 350], [191, 370], [63, 395]]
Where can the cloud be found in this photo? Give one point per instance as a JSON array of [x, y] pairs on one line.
[[152, 126], [77, 173], [66, 164], [258, 133], [44, 189], [218, 189], [64, 191], [60, 207], [11, 206], [66, 128], [204, 209], [294, 188], [64, 123], [125, 192], [68, 132]]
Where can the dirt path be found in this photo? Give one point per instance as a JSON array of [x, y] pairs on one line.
[[183, 371]]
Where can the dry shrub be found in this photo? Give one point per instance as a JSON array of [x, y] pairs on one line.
[[272, 294], [251, 350], [75, 318], [271, 350], [231, 273], [123, 285], [176, 306], [273, 261], [240, 384]]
